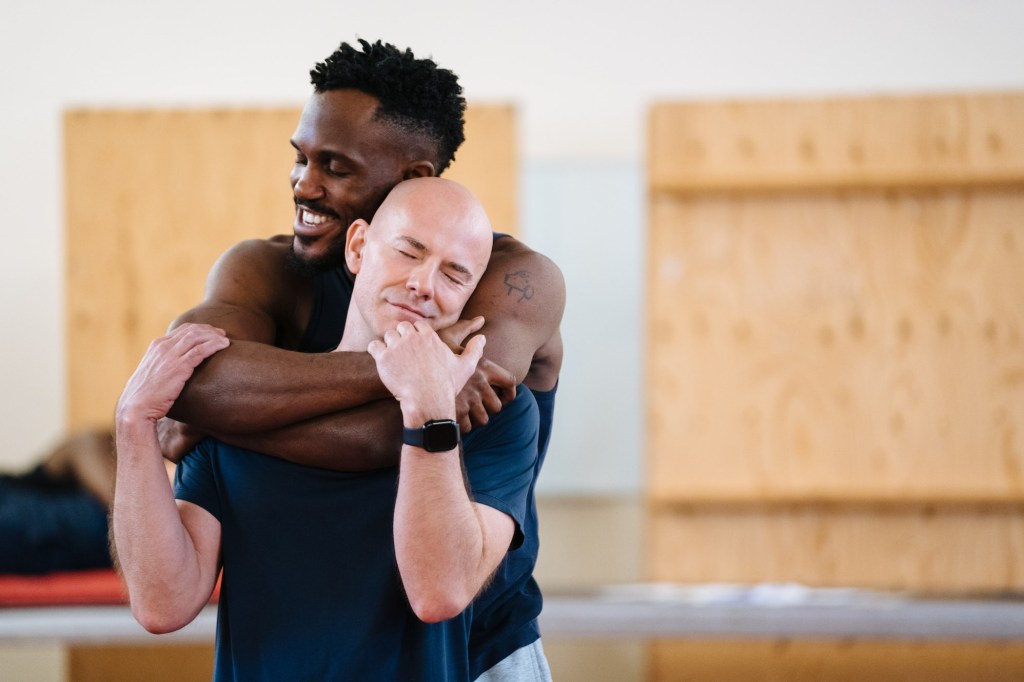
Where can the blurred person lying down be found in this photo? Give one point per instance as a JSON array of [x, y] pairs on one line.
[[54, 516]]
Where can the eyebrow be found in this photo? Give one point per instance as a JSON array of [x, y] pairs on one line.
[[420, 246]]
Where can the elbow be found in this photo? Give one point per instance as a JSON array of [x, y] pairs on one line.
[[437, 606], [158, 621]]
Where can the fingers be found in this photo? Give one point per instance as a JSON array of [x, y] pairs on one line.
[[166, 367], [503, 381], [197, 343], [474, 350], [478, 414], [491, 400], [208, 347], [193, 328], [506, 394], [458, 332], [200, 339], [184, 348]]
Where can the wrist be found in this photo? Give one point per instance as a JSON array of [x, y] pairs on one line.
[[134, 434], [414, 418], [417, 413], [437, 435], [132, 421]]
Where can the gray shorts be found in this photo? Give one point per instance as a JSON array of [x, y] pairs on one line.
[[527, 664]]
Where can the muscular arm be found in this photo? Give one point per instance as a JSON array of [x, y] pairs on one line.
[[373, 430], [259, 395], [255, 385], [168, 552], [522, 298], [292, 405]]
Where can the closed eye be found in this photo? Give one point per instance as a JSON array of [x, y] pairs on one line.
[[456, 279]]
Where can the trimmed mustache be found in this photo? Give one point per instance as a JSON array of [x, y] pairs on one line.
[[315, 207]]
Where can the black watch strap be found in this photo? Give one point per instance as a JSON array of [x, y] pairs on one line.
[[437, 435]]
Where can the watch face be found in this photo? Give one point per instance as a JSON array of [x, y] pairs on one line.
[[440, 436]]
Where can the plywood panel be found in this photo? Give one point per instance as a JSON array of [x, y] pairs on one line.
[[837, 346], [842, 661], [488, 163], [870, 142], [836, 342], [153, 197], [925, 548], [154, 663]]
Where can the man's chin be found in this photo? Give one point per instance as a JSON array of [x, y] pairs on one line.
[[310, 261]]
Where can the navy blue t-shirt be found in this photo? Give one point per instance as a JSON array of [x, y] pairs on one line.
[[505, 613], [504, 616], [311, 589]]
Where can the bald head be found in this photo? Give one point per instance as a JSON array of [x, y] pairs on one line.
[[421, 257], [444, 207]]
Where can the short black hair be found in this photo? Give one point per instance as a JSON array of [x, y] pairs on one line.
[[415, 95]]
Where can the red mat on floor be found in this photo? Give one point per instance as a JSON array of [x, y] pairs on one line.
[[70, 588]]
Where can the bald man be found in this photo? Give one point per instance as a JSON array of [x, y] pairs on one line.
[[331, 575]]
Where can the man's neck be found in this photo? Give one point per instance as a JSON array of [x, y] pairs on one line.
[[357, 335]]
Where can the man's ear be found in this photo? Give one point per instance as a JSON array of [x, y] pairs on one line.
[[419, 169], [355, 242]]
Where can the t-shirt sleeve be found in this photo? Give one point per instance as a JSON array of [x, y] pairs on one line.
[[501, 459], [194, 479]]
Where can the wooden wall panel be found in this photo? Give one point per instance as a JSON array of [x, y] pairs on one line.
[[153, 197], [837, 345], [877, 142], [923, 548], [488, 163], [163, 662], [836, 661]]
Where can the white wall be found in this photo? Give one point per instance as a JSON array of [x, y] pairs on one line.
[[582, 74]]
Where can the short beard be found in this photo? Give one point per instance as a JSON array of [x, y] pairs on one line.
[[311, 267]]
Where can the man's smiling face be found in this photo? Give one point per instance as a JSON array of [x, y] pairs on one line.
[[346, 162]]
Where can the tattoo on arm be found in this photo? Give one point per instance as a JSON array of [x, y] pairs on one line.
[[519, 282]]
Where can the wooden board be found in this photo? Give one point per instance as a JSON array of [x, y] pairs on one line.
[[878, 142], [488, 163], [842, 661], [154, 663], [918, 547], [836, 345], [154, 197], [833, 345]]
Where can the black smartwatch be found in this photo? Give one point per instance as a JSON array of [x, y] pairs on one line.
[[437, 435]]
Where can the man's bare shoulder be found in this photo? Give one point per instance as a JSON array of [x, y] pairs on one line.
[[521, 270], [270, 250], [259, 263], [254, 294], [522, 296]]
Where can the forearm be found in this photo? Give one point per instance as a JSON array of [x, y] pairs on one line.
[[360, 439], [253, 387], [157, 557], [439, 535], [445, 545]]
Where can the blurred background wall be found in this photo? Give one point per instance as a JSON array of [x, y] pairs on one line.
[[581, 74]]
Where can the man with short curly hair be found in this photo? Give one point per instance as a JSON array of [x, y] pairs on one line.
[[378, 116]]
